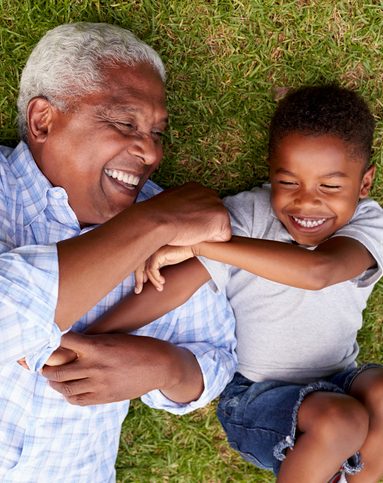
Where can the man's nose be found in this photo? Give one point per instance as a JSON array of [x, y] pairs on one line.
[[144, 147]]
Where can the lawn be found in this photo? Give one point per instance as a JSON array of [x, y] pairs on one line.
[[228, 62]]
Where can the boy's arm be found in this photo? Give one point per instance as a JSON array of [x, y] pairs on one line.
[[134, 311], [333, 261]]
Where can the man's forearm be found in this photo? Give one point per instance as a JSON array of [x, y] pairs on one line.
[[91, 265], [184, 381]]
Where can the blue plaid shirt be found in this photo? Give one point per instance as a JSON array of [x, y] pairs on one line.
[[42, 437]]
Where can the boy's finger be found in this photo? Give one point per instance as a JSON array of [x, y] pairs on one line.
[[156, 278], [140, 278]]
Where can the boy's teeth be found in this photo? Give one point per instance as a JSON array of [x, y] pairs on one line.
[[306, 223], [122, 176]]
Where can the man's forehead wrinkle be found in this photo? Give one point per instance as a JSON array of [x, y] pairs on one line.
[[112, 110], [116, 108]]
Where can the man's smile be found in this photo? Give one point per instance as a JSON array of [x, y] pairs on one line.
[[130, 181]]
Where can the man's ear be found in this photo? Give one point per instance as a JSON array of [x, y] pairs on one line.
[[40, 116], [367, 180]]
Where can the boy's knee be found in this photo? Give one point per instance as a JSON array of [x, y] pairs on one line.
[[373, 396], [368, 388], [340, 419]]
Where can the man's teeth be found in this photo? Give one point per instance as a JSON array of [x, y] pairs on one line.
[[122, 176], [306, 223]]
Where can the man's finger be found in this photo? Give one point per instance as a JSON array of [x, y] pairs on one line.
[[68, 372], [71, 388], [75, 342], [61, 356]]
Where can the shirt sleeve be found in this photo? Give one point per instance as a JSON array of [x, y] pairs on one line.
[[28, 288], [366, 226], [204, 325]]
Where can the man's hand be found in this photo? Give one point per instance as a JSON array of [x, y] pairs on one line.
[[115, 367], [58, 357], [195, 213], [61, 356]]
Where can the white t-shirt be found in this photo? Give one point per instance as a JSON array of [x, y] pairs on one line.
[[287, 333]]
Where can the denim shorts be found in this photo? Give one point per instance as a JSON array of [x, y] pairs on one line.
[[260, 418]]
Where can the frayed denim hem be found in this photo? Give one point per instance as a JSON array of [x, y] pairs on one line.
[[351, 378], [289, 441]]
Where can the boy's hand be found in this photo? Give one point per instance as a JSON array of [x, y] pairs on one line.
[[167, 255]]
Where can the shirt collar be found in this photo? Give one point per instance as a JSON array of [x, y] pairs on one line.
[[34, 186], [37, 191]]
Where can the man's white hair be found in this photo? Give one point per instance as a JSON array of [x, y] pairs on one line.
[[67, 63]]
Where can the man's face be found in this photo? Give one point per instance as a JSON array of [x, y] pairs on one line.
[[105, 148], [316, 185]]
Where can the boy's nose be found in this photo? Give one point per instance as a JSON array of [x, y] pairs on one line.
[[307, 197]]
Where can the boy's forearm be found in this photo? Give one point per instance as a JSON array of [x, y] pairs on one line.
[[290, 264], [277, 261], [135, 311]]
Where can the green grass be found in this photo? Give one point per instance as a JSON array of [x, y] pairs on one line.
[[226, 60]]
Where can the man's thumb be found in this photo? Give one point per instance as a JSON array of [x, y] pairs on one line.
[[73, 341]]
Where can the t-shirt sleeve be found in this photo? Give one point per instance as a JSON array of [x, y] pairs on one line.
[[366, 226], [249, 212]]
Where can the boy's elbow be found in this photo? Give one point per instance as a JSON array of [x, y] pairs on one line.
[[319, 274]]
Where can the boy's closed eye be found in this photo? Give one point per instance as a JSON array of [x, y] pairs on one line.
[[287, 183], [330, 186]]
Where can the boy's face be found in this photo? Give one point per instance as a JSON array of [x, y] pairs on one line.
[[316, 185]]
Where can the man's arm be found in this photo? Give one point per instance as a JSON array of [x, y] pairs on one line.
[[113, 367], [93, 264], [196, 357]]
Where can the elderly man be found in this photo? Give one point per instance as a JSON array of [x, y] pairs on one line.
[[92, 112]]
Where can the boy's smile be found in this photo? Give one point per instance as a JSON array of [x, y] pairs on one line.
[[316, 182]]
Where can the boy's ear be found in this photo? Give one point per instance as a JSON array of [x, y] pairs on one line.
[[367, 180], [40, 116]]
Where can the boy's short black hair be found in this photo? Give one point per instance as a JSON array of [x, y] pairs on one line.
[[328, 109]]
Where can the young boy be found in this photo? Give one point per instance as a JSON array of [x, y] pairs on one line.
[[309, 249]]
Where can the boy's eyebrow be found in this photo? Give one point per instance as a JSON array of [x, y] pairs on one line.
[[284, 171], [334, 174]]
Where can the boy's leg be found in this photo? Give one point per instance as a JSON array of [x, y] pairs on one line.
[[332, 428], [367, 387]]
